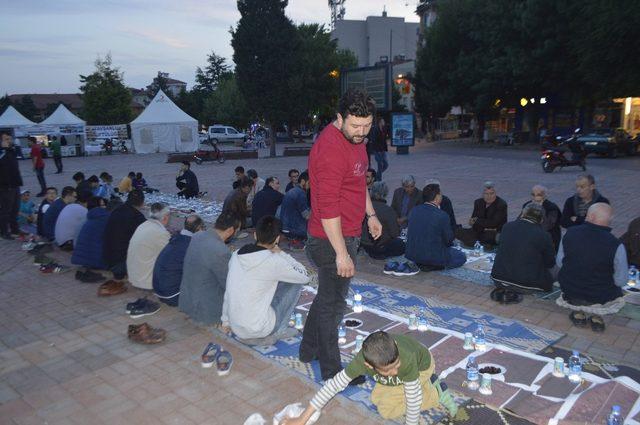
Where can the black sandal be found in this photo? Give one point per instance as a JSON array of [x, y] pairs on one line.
[[511, 297], [578, 318], [597, 323], [497, 295]]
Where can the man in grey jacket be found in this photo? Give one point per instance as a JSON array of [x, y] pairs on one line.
[[204, 274]]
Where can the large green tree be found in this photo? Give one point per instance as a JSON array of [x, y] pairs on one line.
[[5, 102], [226, 105], [106, 99], [266, 45], [208, 79]]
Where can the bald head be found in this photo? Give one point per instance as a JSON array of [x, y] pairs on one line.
[[193, 223], [600, 214]]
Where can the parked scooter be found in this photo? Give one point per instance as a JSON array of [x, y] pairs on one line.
[[553, 156]]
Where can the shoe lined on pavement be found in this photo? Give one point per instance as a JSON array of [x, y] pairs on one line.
[[28, 246], [145, 334], [41, 260], [406, 269], [390, 267], [224, 361], [147, 308], [136, 303], [53, 268], [209, 355], [112, 287]]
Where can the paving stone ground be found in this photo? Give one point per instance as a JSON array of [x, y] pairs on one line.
[[65, 359]]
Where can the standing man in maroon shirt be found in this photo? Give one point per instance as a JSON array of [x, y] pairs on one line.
[[38, 164], [339, 202]]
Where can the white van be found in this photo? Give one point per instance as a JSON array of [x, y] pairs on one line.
[[222, 133]]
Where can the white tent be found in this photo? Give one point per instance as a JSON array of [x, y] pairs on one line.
[[11, 118], [163, 127], [62, 116]]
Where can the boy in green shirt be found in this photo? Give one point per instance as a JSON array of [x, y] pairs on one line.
[[405, 381]]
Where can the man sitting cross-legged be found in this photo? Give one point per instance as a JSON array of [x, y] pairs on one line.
[[525, 257], [403, 370], [295, 211], [593, 268], [488, 217], [430, 237], [167, 272], [204, 273], [388, 244], [263, 286]]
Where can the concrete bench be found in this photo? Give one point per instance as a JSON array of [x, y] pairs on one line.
[[296, 151]]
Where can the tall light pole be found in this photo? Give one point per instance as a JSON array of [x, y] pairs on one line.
[[337, 11]]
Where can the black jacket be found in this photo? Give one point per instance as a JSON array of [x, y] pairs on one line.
[[551, 223], [396, 202], [389, 220], [122, 223], [571, 207], [190, 180], [447, 207], [10, 177], [492, 217], [266, 202], [525, 256], [631, 241]]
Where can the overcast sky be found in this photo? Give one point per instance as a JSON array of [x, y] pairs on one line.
[[45, 44]]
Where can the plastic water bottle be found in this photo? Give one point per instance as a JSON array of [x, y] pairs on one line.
[[478, 249], [615, 417], [479, 339], [357, 302], [575, 367], [292, 320], [473, 377], [633, 276]]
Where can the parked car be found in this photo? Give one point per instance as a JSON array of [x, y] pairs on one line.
[[226, 134], [608, 141]]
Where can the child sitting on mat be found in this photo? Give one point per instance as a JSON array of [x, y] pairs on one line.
[[405, 381]]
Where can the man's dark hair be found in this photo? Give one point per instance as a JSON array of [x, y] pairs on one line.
[[357, 103], [379, 349], [226, 220], [252, 173], [239, 169], [83, 197], [588, 177], [67, 190], [303, 176], [78, 176], [136, 198], [268, 229], [138, 176], [95, 202], [269, 180], [293, 170], [103, 175], [51, 188], [193, 223], [187, 163], [533, 212], [131, 175], [245, 182], [372, 171], [430, 192], [93, 179]]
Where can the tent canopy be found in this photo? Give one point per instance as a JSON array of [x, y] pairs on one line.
[[162, 110], [12, 118], [164, 127], [62, 116]]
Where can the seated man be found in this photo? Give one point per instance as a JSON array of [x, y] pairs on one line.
[[404, 372], [167, 272], [139, 182], [388, 244], [94, 185], [126, 184], [593, 268], [70, 221], [51, 216], [258, 185], [187, 181], [121, 225], [106, 190], [576, 206], [488, 217], [405, 198], [82, 185], [524, 258], [239, 173], [631, 241], [267, 201], [293, 179], [145, 246], [236, 201], [552, 215], [88, 245], [263, 286], [371, 178], [204, 274], [51, 194], [429, 237], [295, 211], [445, 205], [26, 212]]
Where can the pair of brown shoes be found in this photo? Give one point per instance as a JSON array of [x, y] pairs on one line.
[[145, 334], [112, 287]]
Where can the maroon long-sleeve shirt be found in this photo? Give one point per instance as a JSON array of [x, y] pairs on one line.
[[337, 171]]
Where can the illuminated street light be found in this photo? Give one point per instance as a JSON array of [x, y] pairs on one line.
[[523, 102], [543, 100], [334, 74], [532, 100]]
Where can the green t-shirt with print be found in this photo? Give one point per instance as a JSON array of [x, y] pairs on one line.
[[55, 148], [414, 358]]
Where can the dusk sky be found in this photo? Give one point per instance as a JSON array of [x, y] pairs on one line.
[[45, 44]]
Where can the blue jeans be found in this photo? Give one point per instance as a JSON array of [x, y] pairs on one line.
[[383, 164], [457, 258], [284, 302], [40, 175]]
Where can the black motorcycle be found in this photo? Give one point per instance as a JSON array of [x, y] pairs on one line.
[[553, 155]]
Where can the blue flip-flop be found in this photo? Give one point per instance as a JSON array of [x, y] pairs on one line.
[[224, 361], [210, 354]]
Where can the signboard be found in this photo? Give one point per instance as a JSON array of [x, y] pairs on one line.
[[375, 80], [36, 130], [402, 130], [106, 131]]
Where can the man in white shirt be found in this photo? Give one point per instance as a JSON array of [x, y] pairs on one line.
[[70, 221]]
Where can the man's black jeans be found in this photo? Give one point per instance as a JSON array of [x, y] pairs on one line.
[[9, 205], [320, 336]]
